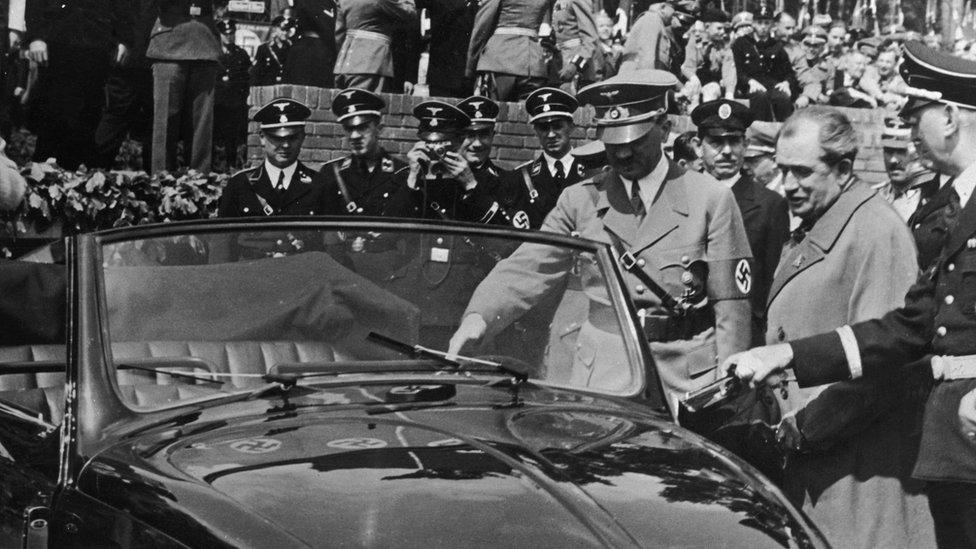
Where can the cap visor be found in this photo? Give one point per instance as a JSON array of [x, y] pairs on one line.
[[283, 131], [621, 135], [893, 144], [753, 153], [437, 135], [359, 118]]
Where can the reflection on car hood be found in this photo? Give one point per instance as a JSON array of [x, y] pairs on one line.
[[487, 468]]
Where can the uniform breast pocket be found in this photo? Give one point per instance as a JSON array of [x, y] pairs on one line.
[[672, 263]]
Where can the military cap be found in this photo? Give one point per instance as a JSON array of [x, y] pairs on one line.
[[714, 15], [723, 114], [357, 104], [764, 10], [626, 104], [550, 103], [742, 19], [814, 35], [282, 116], [481, 110], [591, 155], [869, 46], [822, 20], [439, 118], [896, 133], [226, 26], [944, 76], [761, 138]]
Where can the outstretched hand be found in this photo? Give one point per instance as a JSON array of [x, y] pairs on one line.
[[762, 364]]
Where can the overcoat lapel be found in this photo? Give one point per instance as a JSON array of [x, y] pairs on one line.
[[745, 195], [820, 239]]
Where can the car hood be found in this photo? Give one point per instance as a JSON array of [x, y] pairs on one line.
[[545, 468]]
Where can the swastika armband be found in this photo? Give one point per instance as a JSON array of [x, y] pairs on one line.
[[730, 279]]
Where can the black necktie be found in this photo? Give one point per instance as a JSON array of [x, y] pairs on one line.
[[280, 187], [560, 174], [635, 199]]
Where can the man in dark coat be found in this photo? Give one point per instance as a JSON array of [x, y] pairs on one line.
[[270, 57], [230, 94], [542, 180], [313, 53], [765, 73], [75, 43], [281, 185], [721, 127], [184, 49]]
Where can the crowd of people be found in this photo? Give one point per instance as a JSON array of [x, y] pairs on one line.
[[84, 76]]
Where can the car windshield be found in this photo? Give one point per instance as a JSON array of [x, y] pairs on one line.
[[226, 307]]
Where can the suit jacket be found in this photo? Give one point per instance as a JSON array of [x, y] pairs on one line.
[[855, 263], [939, 317], [514, 54], [694, 222], [648, 45], [250, 193], [365, 54], [180, 36], [767, 221], [515, 193]]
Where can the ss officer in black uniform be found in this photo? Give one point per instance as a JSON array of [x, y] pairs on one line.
[[543, 179], [366, 183], [443, 269], [721, 127], [281, 185], [939, 315], [270, 57], [230, 93], [478, 140], [765, 73]]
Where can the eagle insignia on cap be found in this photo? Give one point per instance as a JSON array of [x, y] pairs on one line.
[[348, 94], [609, 94], [476, 105], [434, 111], [281, 106], [544, 97], [725, 111]]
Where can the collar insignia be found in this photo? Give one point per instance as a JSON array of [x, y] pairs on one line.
[[305, 178], [537, 168], [387, 165], [346, 162]]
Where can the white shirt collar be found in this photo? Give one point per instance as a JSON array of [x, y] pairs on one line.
[[965, 183], [567, 161], [651, 183], [273, 173]]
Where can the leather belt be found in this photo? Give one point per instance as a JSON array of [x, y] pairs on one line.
[[369, 35], [571, 43], [660, 328], [517, 31], [954, 367]]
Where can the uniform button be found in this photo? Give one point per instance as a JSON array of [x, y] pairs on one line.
[[971, 243], [687, 278], [641, 262], [386, 195], [280, 242], [311, 212], [641, 312], [941, 331], [685, 260], [949, 299], [951, 267], [246, 209], [639, 289], [918, 226], [440, 240]]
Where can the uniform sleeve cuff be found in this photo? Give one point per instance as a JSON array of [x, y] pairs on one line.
[[819, 360], [851, 351]]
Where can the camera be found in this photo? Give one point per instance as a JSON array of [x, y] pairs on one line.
[[437, 151]]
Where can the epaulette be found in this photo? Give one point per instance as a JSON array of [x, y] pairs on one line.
[[245, 170], [524, 164], [334, 160]]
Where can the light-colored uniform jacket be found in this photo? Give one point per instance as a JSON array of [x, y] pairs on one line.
[[648, 45], [694, 219], [363, 31]]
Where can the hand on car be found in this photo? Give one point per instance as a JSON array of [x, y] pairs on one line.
[[471, 331], [761, 364]]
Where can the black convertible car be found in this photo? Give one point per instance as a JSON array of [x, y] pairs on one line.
[[168, 386]]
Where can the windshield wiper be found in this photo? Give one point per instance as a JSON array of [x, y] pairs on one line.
[[455, 362], [169, 373]]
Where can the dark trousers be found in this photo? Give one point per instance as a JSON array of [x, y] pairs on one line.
[[953, 507], [507, 87], [70, 96], [128, 113], [770, 106], [183, 94]]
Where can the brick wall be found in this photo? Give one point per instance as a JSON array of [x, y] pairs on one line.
[[514, 140]]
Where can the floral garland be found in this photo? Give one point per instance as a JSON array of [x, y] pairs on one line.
[[90, 200]]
